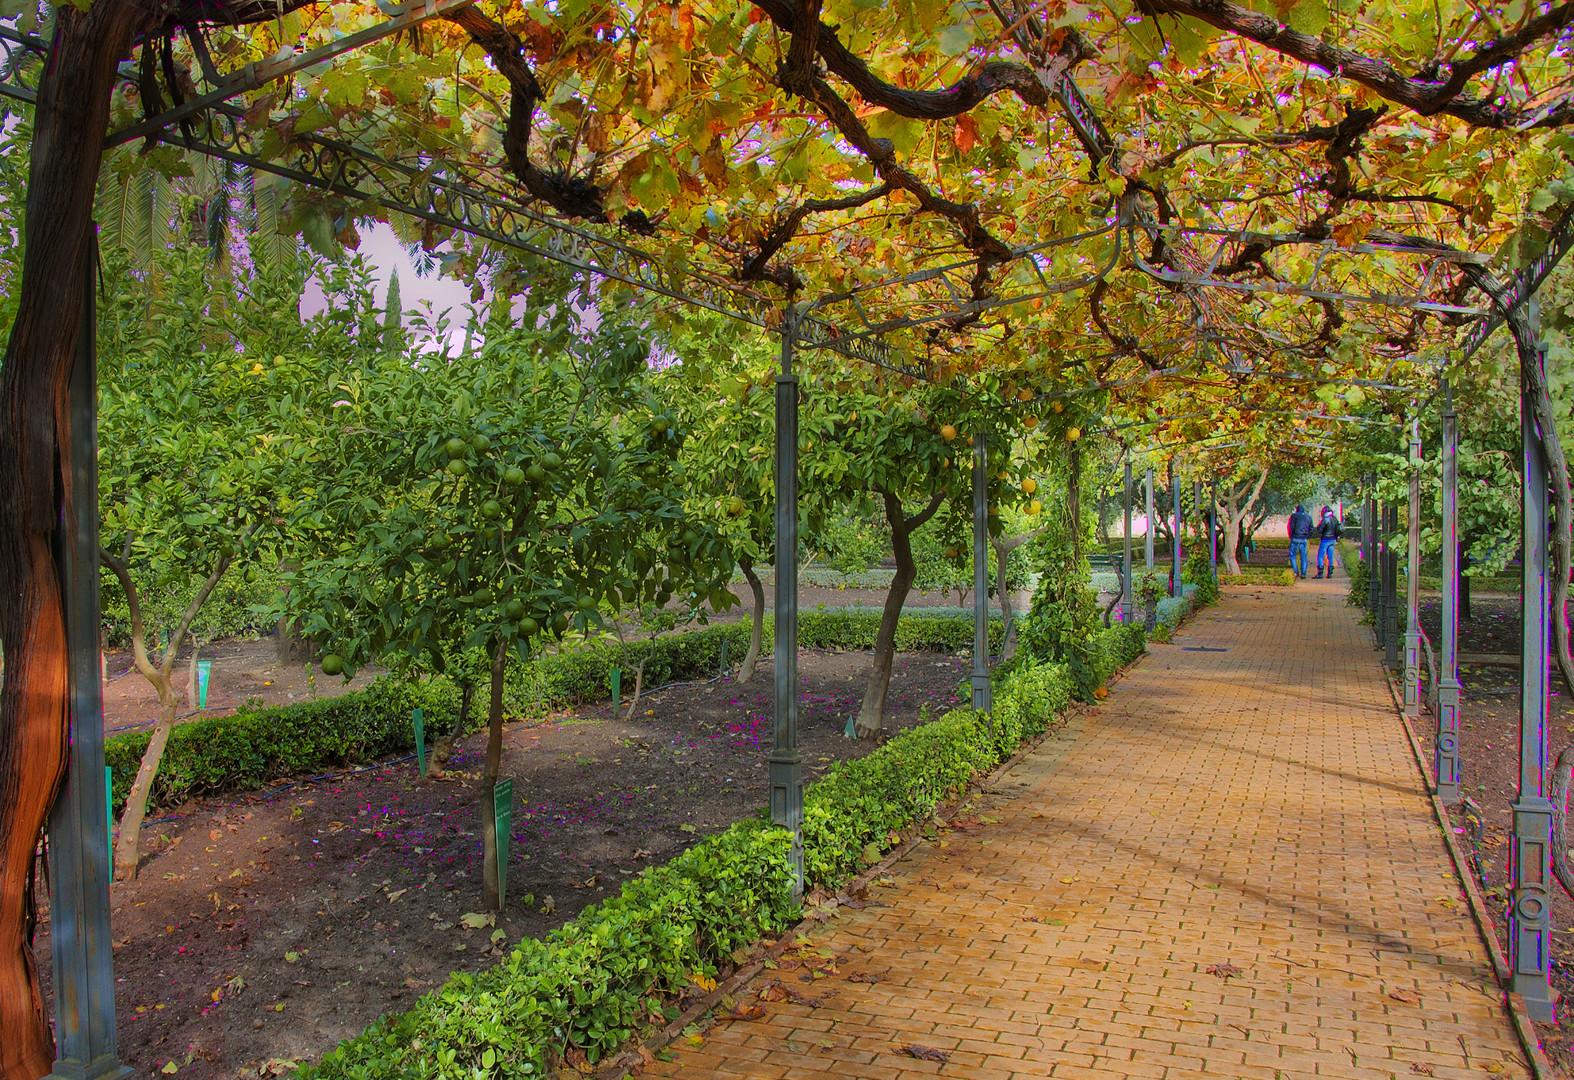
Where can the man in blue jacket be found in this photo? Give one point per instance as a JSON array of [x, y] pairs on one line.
[[1300, 530]]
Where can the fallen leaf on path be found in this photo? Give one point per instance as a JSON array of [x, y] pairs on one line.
[[744, 1010], [865, 977], [1421, 1068], [1224, 970], [1409, 997], [1070, 880], [923, 1053]]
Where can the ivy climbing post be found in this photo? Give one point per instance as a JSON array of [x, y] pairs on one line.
[[79, 863], [1147, 540], [1126, 573]]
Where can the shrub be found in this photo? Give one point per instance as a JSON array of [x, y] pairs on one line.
[[256, 747], [1198, 572]]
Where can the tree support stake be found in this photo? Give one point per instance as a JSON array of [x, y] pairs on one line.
[[1125, 569]]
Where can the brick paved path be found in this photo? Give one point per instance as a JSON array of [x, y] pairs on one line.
[[1257, 807]]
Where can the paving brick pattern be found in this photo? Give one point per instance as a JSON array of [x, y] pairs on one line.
[[1257, 808]]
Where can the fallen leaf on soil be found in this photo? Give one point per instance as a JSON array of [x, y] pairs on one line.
[[170, 1067], [686, 827], [1409, 997], [548, 905], [416, 984], [641, 853], [923, 1053], [1224, 970], [476, 920], [291, 957], [396, 894]]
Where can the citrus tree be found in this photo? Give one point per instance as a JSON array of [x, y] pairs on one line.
[[520, 491]]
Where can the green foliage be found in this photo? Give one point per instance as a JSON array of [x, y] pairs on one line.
[[1198, 571], [853, 542], [236, 608], [1064, 616], [1360, 572]]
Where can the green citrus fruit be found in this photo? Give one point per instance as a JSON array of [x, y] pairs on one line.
[[457, 467], [550, 460], [514, 477], [514, 609], [529, 627], [492, 509], [481, 443], [481, 597], [455, 447], [332, 665], [535, 474]]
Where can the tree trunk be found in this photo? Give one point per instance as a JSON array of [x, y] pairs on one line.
[[871, 717], [443, 748], [1231, 537], [757, 627], [494, 757], [69, 121], [129, 840], [639, 686]]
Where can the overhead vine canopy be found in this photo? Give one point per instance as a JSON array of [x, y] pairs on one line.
[[820, 149]]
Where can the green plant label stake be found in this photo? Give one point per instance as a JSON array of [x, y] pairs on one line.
[[723, 669], [109, 810], [503, 815], [616, 675], [204, 670], [419, 720]]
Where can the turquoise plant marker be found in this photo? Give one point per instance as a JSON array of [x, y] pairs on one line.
[[419, 720], [616, 675], [503, 816], [204, 670], [109, 810]]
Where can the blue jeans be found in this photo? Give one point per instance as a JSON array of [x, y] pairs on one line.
[[1325, 556], [1298, 556]]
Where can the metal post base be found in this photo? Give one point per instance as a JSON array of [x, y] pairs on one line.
[[983, 693], [786, 771], [1412, 673], [107, 1067], [1530, 913], [1446, 762]]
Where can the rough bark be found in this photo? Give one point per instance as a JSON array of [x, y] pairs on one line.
[[69, 120], [757, 624], [1235, 514], [490, 886], [871, 717], [443, 747], [639, 688], [161, 677]]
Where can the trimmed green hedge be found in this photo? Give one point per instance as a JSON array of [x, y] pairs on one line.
[[252, 748], [587, 984]]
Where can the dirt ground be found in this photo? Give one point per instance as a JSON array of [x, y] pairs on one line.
[[1489, 751], [266, 928]]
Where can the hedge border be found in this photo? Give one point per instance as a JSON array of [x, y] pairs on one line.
[[252, 748]]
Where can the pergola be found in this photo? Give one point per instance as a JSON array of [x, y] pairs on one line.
[[864, 325]]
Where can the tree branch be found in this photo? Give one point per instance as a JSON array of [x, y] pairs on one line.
[[918, 520], [1422, 95]]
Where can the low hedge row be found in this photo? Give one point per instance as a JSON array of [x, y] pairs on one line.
[[586, 986], [252, 748]]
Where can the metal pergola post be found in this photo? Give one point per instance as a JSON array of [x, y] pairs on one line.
[[1447, 761], [785, 762], [1148, 538], [1370, 528], [1391, 592], [1530, 912], [983, 696], [1176, 588], [1126, 573], [1213, 530], [79, 863], [1413, 580]]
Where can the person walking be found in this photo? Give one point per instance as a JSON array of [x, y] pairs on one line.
[[1300, 530], [1329, 530]]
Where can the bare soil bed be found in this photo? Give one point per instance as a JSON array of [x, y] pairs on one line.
[[266, 928]]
